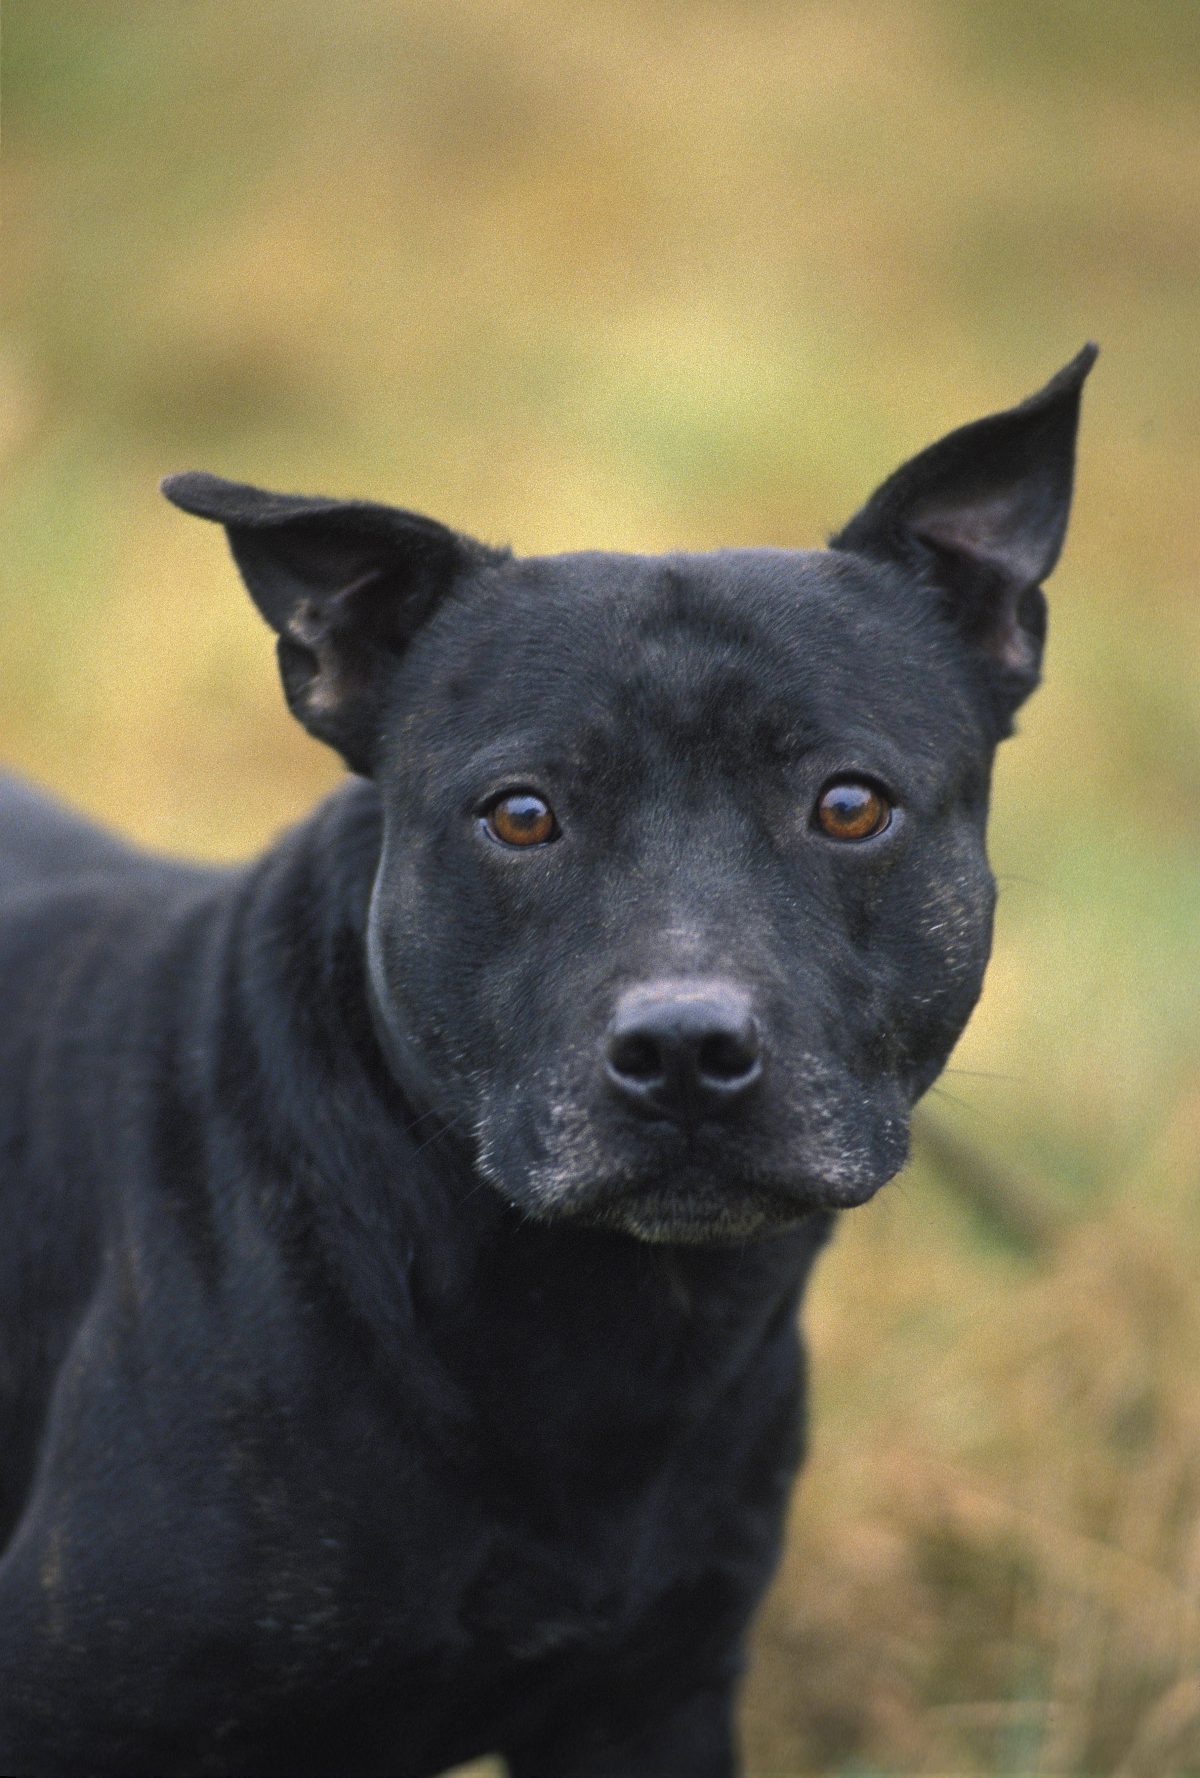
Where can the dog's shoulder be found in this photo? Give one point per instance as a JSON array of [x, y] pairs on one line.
[[42, 842]]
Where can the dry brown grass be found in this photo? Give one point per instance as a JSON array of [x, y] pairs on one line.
[[995, 1559]]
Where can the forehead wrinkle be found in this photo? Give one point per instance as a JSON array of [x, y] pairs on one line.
[[702, 705], [681, 666], [713, 656], [705, 669]]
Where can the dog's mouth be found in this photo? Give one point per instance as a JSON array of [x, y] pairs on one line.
[[660, 1213], [698, 1206], [708, 1196], [713, 1182]]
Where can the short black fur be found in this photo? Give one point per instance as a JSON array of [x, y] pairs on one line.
[[405, 1232]]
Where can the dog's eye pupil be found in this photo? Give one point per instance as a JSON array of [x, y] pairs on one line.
[[851, 809], [522, 819]]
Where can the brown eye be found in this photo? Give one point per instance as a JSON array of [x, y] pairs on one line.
[[851, 809], [521, 819]]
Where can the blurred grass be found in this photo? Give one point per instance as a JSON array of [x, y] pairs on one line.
[[652, 274]]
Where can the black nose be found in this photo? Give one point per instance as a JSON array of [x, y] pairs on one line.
[[684, 1050]]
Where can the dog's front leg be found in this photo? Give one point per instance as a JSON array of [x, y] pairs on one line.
[[695, 1738]]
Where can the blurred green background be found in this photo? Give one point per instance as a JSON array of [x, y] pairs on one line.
[[649, 274]]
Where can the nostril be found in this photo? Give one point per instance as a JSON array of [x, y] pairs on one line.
[[726, 1057], [684, 1050], [636, 1057]]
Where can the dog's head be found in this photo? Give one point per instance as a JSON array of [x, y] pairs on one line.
[[683, 897]]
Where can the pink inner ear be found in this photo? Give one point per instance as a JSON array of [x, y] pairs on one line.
[[1007, 642], [996, 530], [988, 531]]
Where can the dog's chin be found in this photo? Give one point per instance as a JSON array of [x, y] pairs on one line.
[[709, 1185], [702, 1211], [659, 1215]]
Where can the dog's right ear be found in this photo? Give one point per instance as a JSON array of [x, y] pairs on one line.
[[344, 584], [981, 516]]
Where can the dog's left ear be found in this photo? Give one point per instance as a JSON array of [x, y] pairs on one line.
[[344, 584], [982, 515]]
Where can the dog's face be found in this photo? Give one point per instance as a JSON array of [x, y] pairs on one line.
[[683, 897]]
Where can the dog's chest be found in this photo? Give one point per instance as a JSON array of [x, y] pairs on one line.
[[560, 1523], [534, 1597]]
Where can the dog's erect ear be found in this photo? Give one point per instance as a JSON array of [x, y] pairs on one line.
[[344, 583], [982, 514]]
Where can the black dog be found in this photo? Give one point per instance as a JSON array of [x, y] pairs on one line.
[[403, 1235]]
